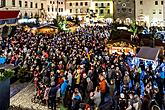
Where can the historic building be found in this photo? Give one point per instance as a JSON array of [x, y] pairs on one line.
[[150, 12], [124, 9], [102, 8], [29, 8], [77, 7], [55, 7]]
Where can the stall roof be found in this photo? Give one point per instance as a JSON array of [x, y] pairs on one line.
[[8, 14], [148, 53]]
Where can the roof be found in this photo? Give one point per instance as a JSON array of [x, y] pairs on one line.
[[8, 14], [47, 26], [148, 53]]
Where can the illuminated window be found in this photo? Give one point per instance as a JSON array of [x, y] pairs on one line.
[[26, 4], [13, 3]]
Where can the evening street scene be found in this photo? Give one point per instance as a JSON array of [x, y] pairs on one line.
[[82, 55]]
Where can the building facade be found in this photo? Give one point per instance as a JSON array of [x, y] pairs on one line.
[[29, 8], [55, 7], [77, 7], [124, 9], [102, 8], [150, 12]]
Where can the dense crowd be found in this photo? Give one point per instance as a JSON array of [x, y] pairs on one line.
[[76, 68]]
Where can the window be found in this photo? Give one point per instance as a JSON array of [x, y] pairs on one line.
[[141, 11], [118, 10], [81, 11], [96, 11], [58, 2], [61, 2], [81, 3], [130, 10], [160, 11], [70, 4], [3, 3], [108, 12], [61, 9], [13, 3], [154, 12], [86, 3], [87, 10], [36, 5], [20, 3], [156, 2], [26, 4], [31, 15], [50, 2], [124, 10], [48, 9], [161, 2], [42, 6], [96, 4], [108, 4], [52, 9], [141, 2], [101, 11], [70, 10], [102, 4], [53, 2], [31, 4], [56, 9], [76, 10], [76, 3]]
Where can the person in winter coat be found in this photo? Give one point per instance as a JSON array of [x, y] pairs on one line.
[[97, 97], [102, 86], [63, 89], [89, 85]]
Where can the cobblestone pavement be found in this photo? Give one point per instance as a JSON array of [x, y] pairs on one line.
[[22, 100], [17, 87]]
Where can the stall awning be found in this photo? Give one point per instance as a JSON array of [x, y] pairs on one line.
[[8, 17], [148, 53]]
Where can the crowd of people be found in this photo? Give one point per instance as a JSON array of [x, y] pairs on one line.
[[76, 70]]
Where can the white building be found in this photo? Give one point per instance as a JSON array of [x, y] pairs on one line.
[[150, 12], [55, 7], [77, 7], [28, 8]]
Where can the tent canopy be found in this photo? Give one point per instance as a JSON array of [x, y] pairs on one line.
[[148, 53]]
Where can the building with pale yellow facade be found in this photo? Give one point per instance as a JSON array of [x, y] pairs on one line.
[[150, 12]]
